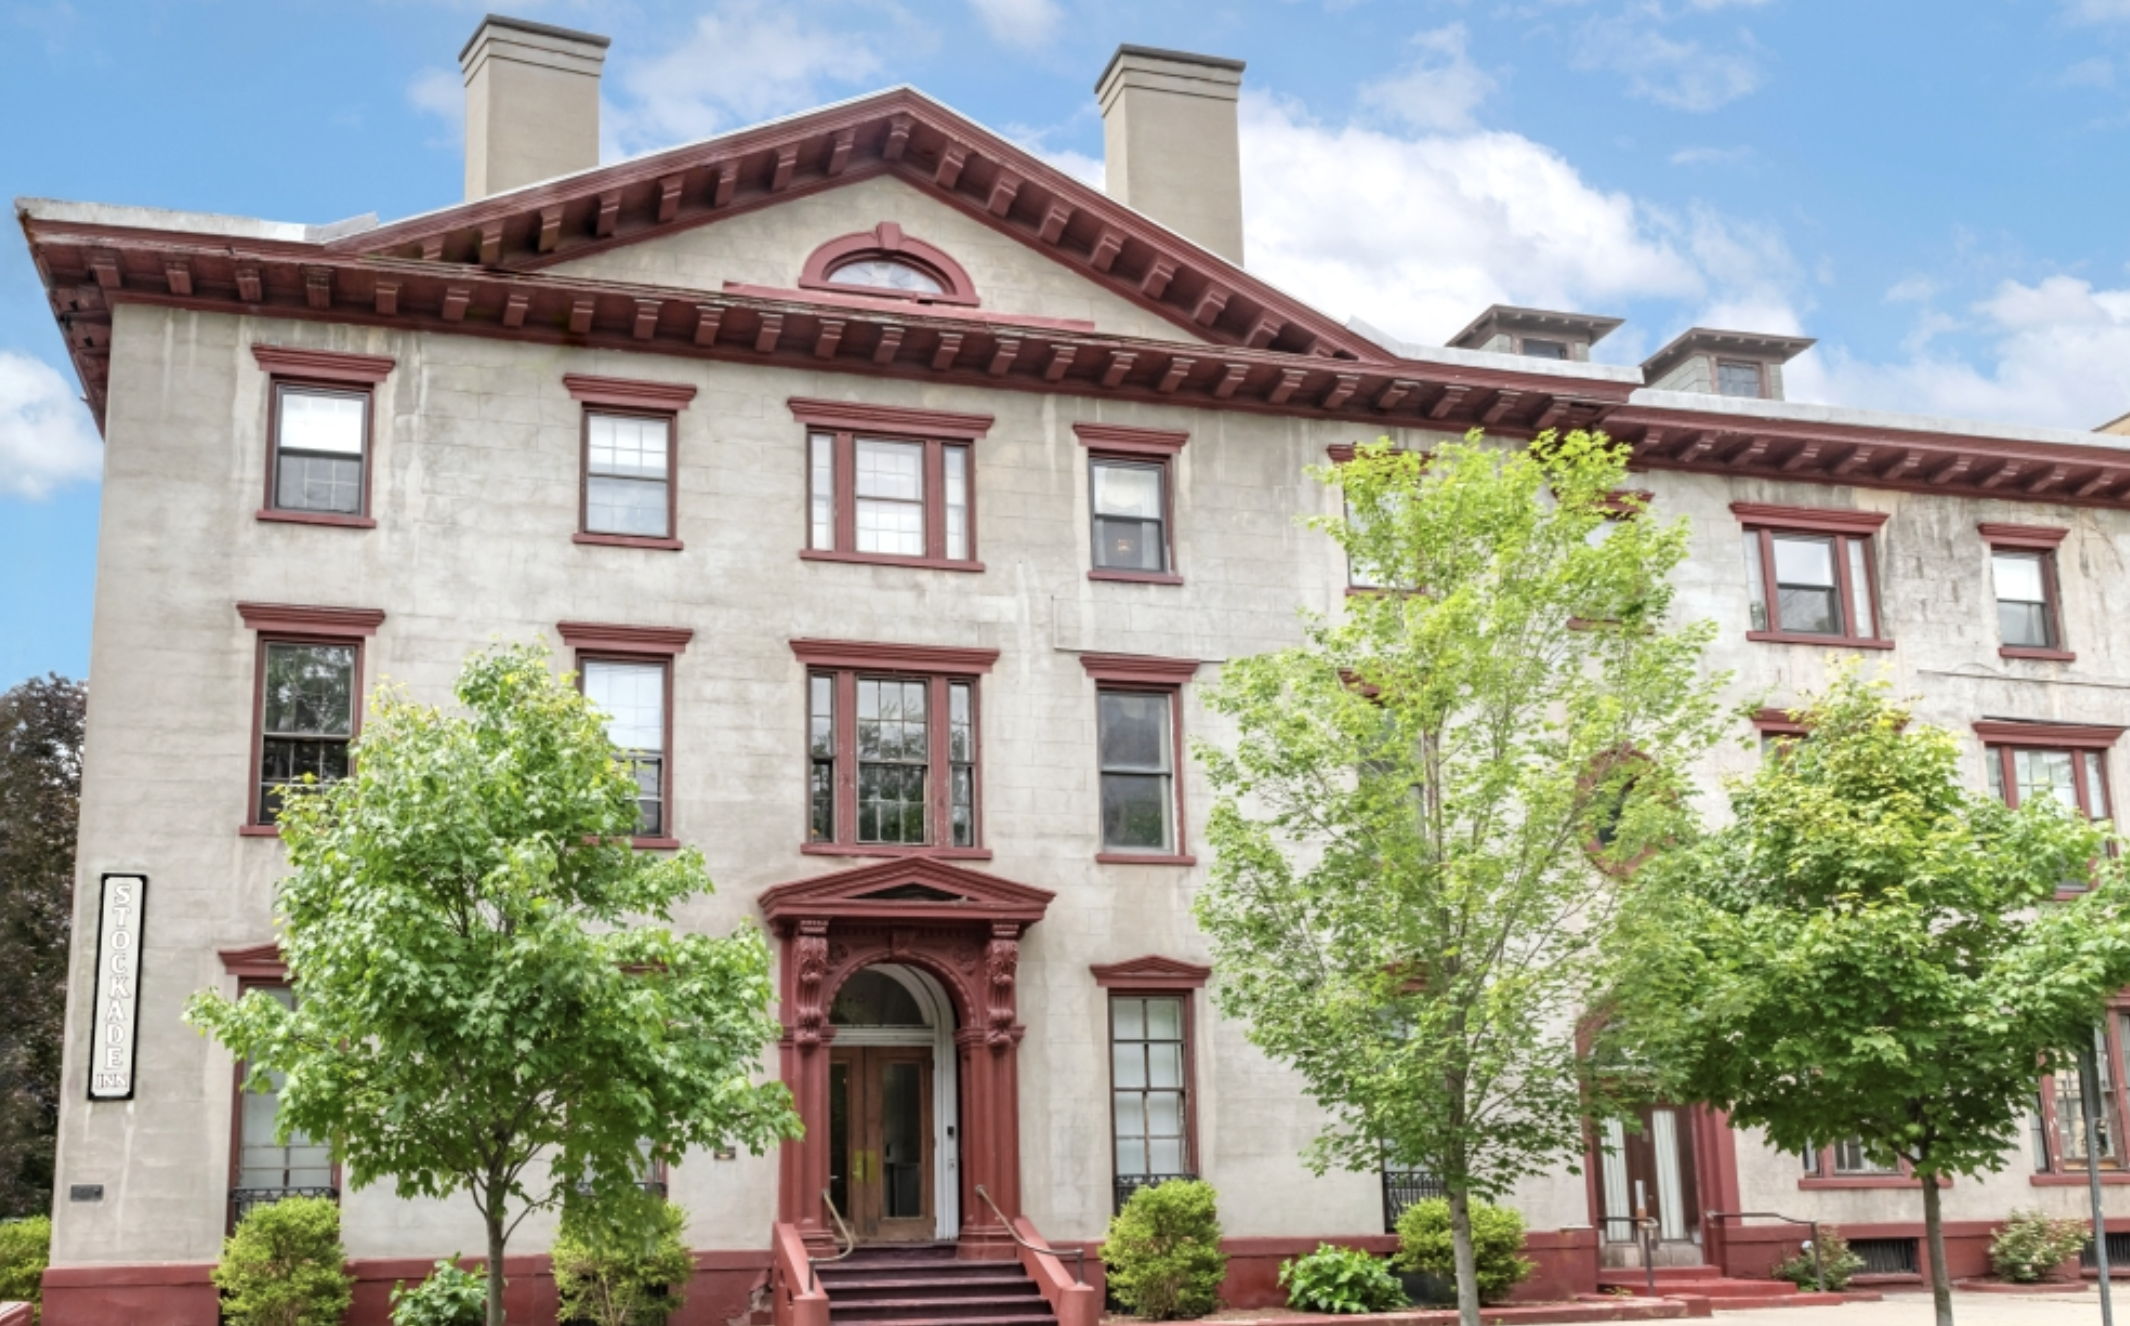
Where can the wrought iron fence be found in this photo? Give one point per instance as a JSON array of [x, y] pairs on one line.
[[1127, 1184], [1886, 1256], [1404, 1187], [242, 1200], [2118, 1252]]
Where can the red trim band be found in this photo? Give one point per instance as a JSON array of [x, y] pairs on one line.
[[862, 416], [305, 619], [605, 637], [1151, 972], [1142, 668], [628, 393], [1818, 520], [2038, 537], [322, 365], [1129, 441], [904, 658]]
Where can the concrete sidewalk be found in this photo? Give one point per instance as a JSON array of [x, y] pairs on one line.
[[1910, 1309]]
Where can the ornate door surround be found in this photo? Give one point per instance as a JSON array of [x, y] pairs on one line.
[[964, 928]]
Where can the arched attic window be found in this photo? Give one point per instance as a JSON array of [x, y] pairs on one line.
[[886, 263]]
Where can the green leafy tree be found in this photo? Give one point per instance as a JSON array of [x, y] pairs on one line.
[[490, 998], [1870, 950], [1407, 898], [40, 801]]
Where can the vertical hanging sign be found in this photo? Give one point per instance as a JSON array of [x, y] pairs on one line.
[[118, 969]]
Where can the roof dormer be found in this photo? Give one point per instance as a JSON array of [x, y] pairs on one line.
[[1724, 363], [1534, 332]]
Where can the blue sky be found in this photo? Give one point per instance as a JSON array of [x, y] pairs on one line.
[[1934, 189]]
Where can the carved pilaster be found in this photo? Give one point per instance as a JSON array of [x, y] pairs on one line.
[[1002, 961], [810, 953]]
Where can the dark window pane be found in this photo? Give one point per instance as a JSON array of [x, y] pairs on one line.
[[319, 438], [1545, 349], [1128, 545], [2025, 624], [310, 689], [625, 506], [821, 714], [1737, 378], [1134, 730], [287, 760], [1135, 811], [1810, 611], [822, 824], [330, 484]]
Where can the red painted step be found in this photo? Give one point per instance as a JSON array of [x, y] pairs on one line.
[[927, 1285]]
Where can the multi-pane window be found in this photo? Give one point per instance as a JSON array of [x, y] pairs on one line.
[[265, 1168], [1130, 505], [321, 440], [632, 693], [2059, 1126], [1535, 348], [1148, 1078], [628, 474], [2075, 778], [890, 498], [2025, 583], [1739, 377], [1136, 744], [1812, 580], [891, 759], [307, 706]]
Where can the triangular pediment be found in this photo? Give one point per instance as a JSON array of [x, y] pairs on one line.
[[899, 132], [1151, 972], [920, 888]]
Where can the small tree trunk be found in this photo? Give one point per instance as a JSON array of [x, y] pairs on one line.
[[1461, 1252], [495, 1265], [1934, 1236]]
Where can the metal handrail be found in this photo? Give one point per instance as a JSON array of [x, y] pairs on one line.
[[1819, 1266], [849, 1241], [1079, 1255]]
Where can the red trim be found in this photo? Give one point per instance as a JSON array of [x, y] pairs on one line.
[[847, 297], [618, 649], [626, 541], [601, 637], [860, 416], [1151, 972], [2059, 736], [260, 962], [1140, 669], [1151, 858], [888, 559], [1811, 519], [304, 619], [1135, 577], [853, 894], [2029, 651], [949, 659], [1778, 723], [322, 365], [320, 517], [1824, 641], [2040, 538], [659, 844], [896, 851], [1622, 503], [258, 831], [629, 393], [1127, 441], [2075, 1178], [1812, 1182], [886, 240]]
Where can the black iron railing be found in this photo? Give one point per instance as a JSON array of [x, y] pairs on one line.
[[2118, 1252], [1127, 1184], [1406, 1187], [244, 1199], [1886, 1256]]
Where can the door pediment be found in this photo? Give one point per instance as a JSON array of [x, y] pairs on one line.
[[919, 890]]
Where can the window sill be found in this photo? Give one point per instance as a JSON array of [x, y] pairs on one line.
[[626, 541], [1135, 577], [1145, 859], [655, 844], [2030, 651], [2077, 1180], [258, 831], [887, 559], [1810, 1183], [1382, 591], [268, 513], [1824, 641], [890, 850]]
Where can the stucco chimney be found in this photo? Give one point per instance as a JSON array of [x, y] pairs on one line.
[[1169, 142], [532, 103]]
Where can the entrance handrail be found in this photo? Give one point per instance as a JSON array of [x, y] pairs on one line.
[[1819, 1267], [1079, 1255], [848, 1240]]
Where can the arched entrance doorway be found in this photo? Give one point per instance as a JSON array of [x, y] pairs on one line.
[[893, 1105]]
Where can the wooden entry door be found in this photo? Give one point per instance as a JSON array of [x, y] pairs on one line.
[[880, 1141], [1651, 1171]]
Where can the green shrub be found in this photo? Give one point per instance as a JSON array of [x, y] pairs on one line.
[[1497, 1245], [1835, 1258], [285, 1267], [2032, 1245], [627, 1272], [25, 1250], [1163, 1251], [449, 1297], [1334, 1279]]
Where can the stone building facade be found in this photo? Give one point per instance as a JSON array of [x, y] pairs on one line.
[[863, 430]]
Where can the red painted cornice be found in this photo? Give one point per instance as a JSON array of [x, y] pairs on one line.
[[2040, 537], [863, 415], [1151, 972], [606, 637], [2063, 736], [1819, 520], [628, 393], [1140, 668], [322, 365], [908, 658], [305, 619], [1131, 441]]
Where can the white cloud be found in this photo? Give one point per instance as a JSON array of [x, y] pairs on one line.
[[1911, 290], [1438, 89], [1711, 156], [47, 439], [1026, 24], [1680, 73], [442, 93], [2094, 71], [745, 60], [2096, 11]]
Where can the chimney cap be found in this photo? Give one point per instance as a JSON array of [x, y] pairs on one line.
[[1762, 346], [528, 25], [1127, 49], [1590, 328]]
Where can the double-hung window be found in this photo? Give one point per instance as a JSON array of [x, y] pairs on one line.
[[626, 673], [2064, 762], [319, 429], [1844, 1165], [1810, 575], [1149, 1078], [2024, 583], [1131, 501], [266, 1169], [892, 748], [630, 489], [886, 484], [1138, 756], [308, 706], [2059, 1126]]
